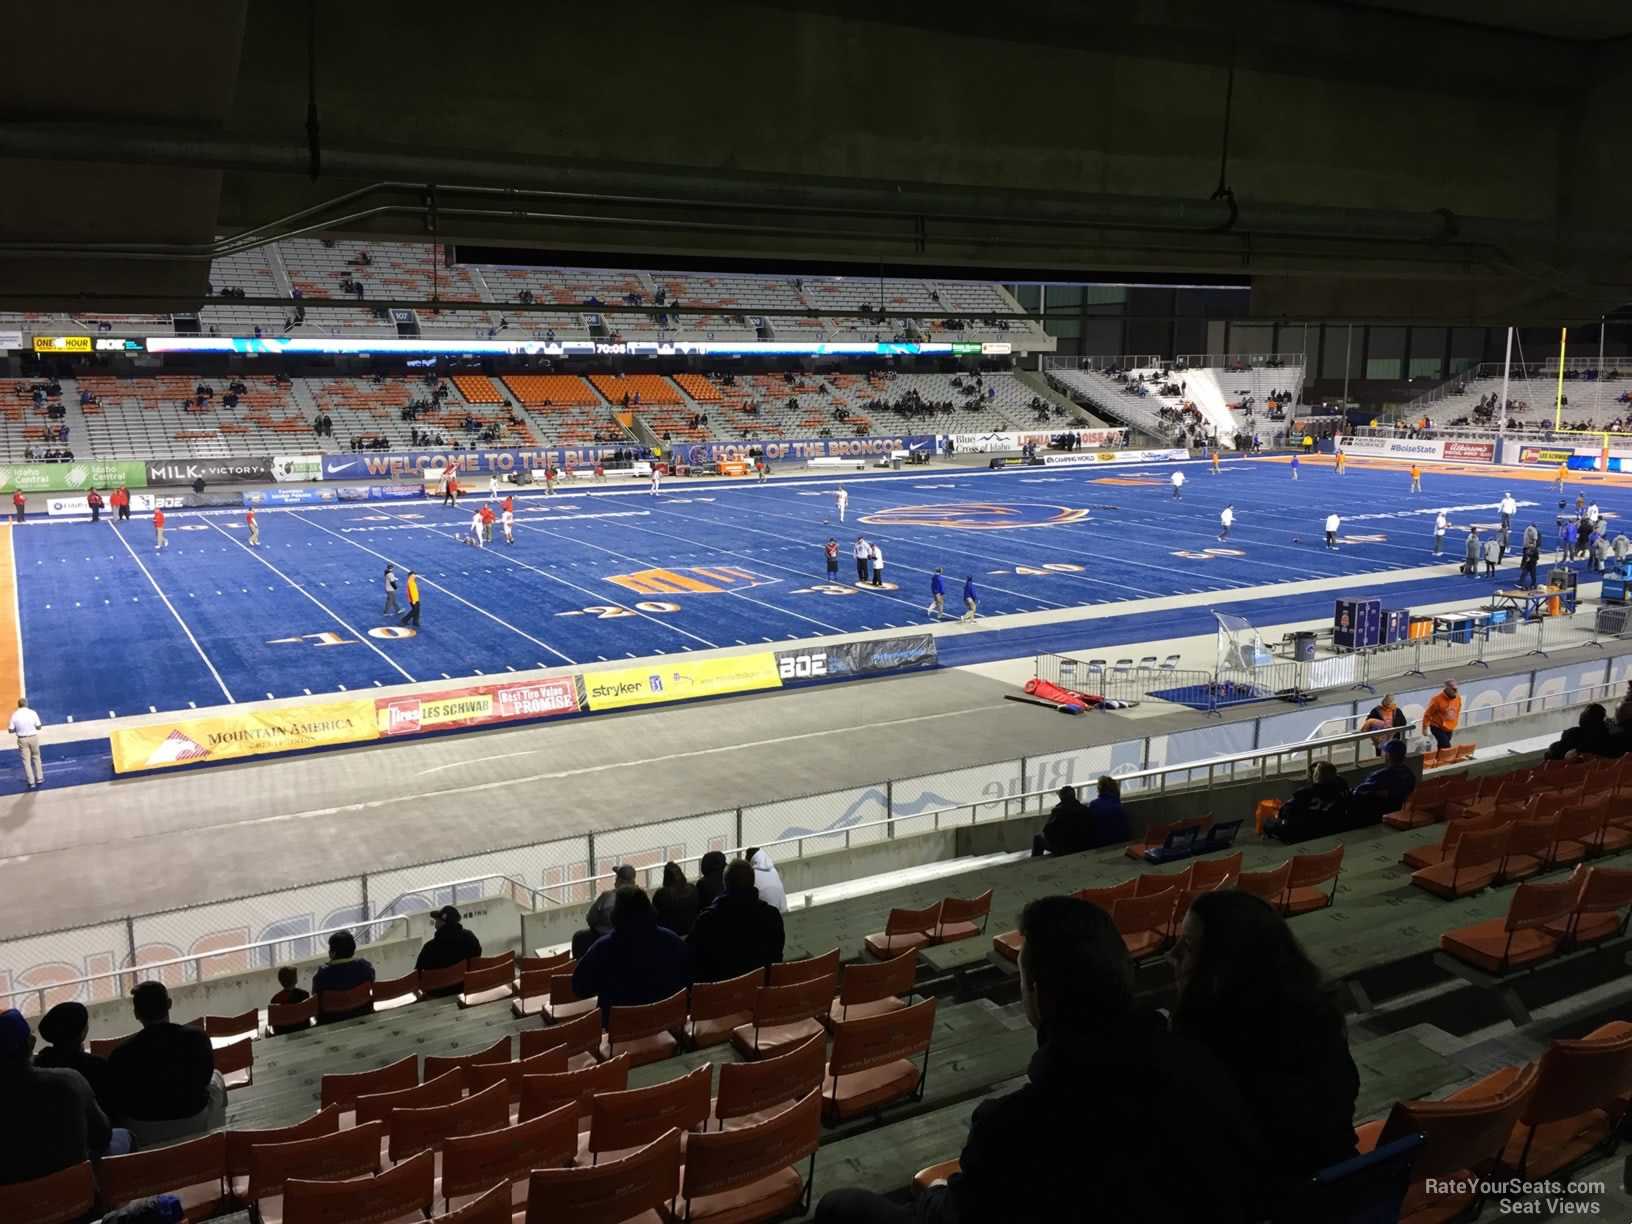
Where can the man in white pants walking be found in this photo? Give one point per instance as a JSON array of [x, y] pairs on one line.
[[841, 499], [657, 479], [25, 725], [1226, 520]]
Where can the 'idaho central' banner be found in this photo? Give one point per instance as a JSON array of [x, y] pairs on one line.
[[680, 680], [247, 734]]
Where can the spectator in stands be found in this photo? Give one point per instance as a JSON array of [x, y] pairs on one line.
[[451, 944], [1074, 826], [637, 962], [599, 917], [1383, 790], [1250, 996], [767, 879], [65, 1028], [163, 1079], [289, 992], [1442, 714], [1112, 1097], [1315, 810], [710, 878], [344, 970], [1593, 735], [50, 1121], [738, 933], [678, 902]]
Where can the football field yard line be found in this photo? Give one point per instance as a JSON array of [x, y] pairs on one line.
[[159, 591], [893, 541], [520, 564], [338, 619], [646, 563], [438, 586]]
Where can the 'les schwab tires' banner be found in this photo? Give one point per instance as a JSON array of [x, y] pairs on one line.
[[479, 705]]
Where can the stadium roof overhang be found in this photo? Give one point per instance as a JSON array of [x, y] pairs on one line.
[[145, 143]]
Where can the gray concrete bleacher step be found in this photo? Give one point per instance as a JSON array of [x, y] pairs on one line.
[[1078, 415]]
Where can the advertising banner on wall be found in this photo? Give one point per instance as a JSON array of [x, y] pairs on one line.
[[680, 680], [82, 475], [288, 497], [479, 705], [798, 450], [247, 733], [1093, 458], [1450, 449], [288, 469], [163, 472], [986, 443], [848, 659]]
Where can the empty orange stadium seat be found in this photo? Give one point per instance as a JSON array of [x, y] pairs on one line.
[[542, 1093], [1153, 883], [1206, 873], [395, 992], [423, 1132], [443, 1090], [475, 1164], [1428, 856], [871, 1064], [236, 1062], [580, 1038], [749, 1173], [67, 1194], [1105, 898], [904, 929], [1472, 865], [438, 1065], [1269, 884], [1143, 922], [1463, 1136], [1523, 936], [620, 1122], [342, 1090], [719, 1007], [786, 973], [752, 1092], [238, 1143], [562, 1004], [337, 1157], [647, 1032], [872, 990], [481, 1076], [1577, 1105], [492, 1207], [1529, 847], [192, 1171], [491, 984], [1309, 872], [1007, 945], [1598, 912], [632, 1189], [400, 1194], [784, 1017]]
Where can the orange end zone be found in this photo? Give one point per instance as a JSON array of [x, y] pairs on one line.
[[1546, 475], [11, 637]]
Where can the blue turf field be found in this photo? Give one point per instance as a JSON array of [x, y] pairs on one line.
[[109, 627]]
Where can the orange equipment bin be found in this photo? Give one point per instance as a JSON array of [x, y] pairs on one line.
[[733, 467]]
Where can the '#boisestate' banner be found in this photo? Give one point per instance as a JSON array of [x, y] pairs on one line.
[[248, 733]]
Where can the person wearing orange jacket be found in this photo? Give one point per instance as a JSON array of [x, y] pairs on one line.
[[1442, 714], [412, 592], [119, 499]]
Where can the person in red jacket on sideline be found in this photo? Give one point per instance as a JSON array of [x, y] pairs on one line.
[[21, 503]]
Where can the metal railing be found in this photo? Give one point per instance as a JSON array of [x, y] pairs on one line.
[[174, 972], [1484, 716], [568, 869], [1127, 681], [1237, 362]]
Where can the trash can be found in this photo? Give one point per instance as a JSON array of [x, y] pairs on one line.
[[895, 462], [1303, 647]]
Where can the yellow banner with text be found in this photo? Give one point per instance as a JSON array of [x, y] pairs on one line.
[[248, 734], [680, 680]]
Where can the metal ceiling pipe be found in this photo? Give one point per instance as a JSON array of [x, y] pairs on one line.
[[404, 165]]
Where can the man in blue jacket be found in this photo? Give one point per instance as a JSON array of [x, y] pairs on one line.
[[639, 962], [937, 595]]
